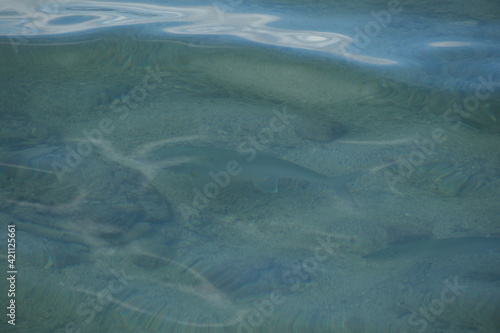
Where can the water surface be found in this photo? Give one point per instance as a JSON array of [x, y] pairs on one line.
[[129, 219]]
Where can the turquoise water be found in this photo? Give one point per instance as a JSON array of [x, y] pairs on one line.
[[236, 166]]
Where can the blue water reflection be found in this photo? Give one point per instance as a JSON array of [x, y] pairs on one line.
[[382, 37]]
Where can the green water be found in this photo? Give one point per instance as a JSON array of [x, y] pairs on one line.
[[103, 241]]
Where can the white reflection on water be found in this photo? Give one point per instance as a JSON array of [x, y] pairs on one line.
[[77, 17]]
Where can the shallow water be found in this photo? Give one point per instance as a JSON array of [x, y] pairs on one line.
[[127, 219]]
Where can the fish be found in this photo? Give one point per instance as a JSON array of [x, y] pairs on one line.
[[213, 166], [437, 247], [31, 163], [217, 166]]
